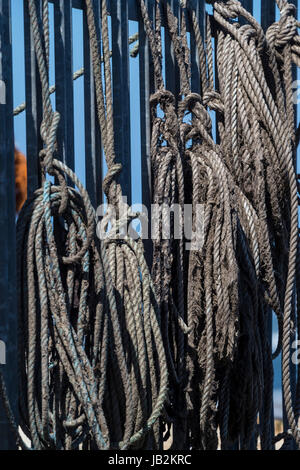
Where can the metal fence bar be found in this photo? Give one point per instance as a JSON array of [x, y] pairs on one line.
[[248, 5], [120, 67], [64, 80], [293, 367], [199, 9], [8, 304], [33, 97], [267, 18], [133, 11], [93, 150], [146, 88], [172, 81]]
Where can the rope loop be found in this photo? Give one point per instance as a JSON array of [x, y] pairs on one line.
[[111, 177], [163, 98], [212, 99], [282, 32], [228, 9]]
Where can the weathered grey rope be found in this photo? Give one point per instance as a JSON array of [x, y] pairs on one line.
[[71, 326], [89, 316], [132, 284]]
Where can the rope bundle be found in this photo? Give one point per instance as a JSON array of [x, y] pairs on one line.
[[92, 359], [168, 266], [246, 267], [97, 341]]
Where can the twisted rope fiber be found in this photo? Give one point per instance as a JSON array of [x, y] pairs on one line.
[[247, 182], [97, 341], [86, 350], [169, 264], [132, 284]]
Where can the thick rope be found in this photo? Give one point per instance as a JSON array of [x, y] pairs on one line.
[[91, 356], [132, 284]]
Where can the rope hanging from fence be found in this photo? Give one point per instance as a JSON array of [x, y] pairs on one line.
[[96, 339], [133, 286], [92, 360], [246, 267], [168, 265]]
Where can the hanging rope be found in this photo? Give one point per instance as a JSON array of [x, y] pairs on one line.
[[256, 157], [246, 266], [91, 354], [169, 263], [99, 336], [133, 287], [61, 279]]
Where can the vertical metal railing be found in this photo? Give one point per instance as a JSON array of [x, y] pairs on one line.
[[121, 12], [146, 89], [121, 90], [8, 305], [64, 80], [33, 97]]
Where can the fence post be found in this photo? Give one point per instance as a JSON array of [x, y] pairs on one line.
[[33, 97], [93, 151], [120, 69], [146, 89], [64, 80], [8, 304]]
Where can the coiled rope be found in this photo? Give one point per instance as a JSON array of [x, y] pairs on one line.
[[168, 265], [92, 360], [94, 331], [246, 267]]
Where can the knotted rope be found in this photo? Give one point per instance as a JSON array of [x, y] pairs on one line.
[[132, 284], [91, 355], [247, 184], [96, 340]]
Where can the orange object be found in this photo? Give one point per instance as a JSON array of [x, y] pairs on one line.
[[20, 179]]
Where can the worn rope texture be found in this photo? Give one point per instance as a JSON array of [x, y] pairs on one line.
[[132, 286], [246, 267], [91, 356], [169, 263]]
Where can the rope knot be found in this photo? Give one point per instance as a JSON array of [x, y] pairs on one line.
[[282, 32], [228, 9], [212, 99], [162, 97], [111, 175], [193, 104]]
